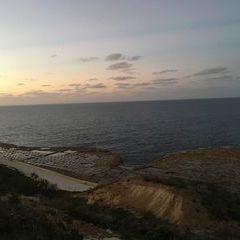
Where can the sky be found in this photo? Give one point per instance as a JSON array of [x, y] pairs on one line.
[[70, 51]]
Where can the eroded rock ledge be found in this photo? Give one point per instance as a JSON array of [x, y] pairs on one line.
[[91, 164], [182, 188]]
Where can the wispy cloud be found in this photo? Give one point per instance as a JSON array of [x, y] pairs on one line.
[[115, 57], [130, 71], [66, 90], [88, 59], [165, 71], [142, 84], [187, 76], [30, 79], [98, 85], [6, 95], [39, 94], [124, 85], [120, 66], [134, 58], [21, 84], [222, 78], [92, 79], [53, 56], [122, 78], [120, 57], [133, 85], [79, 86], [46, 85], [210, 71], [75, 85], [166, 81]]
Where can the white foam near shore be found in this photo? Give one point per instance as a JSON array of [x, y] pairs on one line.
[[63, 182]]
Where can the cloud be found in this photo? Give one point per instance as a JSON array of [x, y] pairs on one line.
[[79, 86], [122, 78], [165, 71], [66, 90], [120, 57], [21, 84], [143, 84], [53, 56], [75, 85], [187, 76], [98, 85], [130, 71], [166, 81], [6, 95], [120, 66], [124, 85], [222, 78], [209, 71], [88, 59], [134, 58], [44, 94], [30, 79], [46, 85], [39, 94], [133, 85], [115, 57], [92, 79]]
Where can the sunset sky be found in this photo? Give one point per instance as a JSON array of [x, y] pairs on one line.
[[63, 51]]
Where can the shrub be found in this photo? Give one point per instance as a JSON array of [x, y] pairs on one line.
[[12, 181]]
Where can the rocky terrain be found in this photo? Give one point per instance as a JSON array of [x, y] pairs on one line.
[[95, 165], [220, 166], [195, 191], [177, 206]]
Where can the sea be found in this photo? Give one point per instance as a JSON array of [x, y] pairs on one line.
[[138, 131]]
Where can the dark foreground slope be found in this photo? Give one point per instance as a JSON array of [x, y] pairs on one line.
[[31, 208], [187, 195], [196, 190]]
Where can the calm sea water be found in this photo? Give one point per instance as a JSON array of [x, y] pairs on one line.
[[138, 131]]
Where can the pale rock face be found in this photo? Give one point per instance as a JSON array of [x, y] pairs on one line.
[[93, 165], [164, 202]]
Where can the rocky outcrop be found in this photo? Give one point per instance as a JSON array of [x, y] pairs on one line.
[[219, 166], [96, 165], [167, 203]]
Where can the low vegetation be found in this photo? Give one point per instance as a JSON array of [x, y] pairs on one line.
[[24, 223], [12, 181], [118, 220], [171, 181], [220, 202], [21, 221]]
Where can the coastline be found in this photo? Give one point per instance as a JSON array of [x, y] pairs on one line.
[[82, 169], [182, 188]]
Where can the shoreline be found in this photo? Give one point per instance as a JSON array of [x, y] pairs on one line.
[[82, 169]]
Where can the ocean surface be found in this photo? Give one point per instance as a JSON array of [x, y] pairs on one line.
[[139, 131]]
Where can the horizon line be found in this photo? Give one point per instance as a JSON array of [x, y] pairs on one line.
[[104, 102]]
